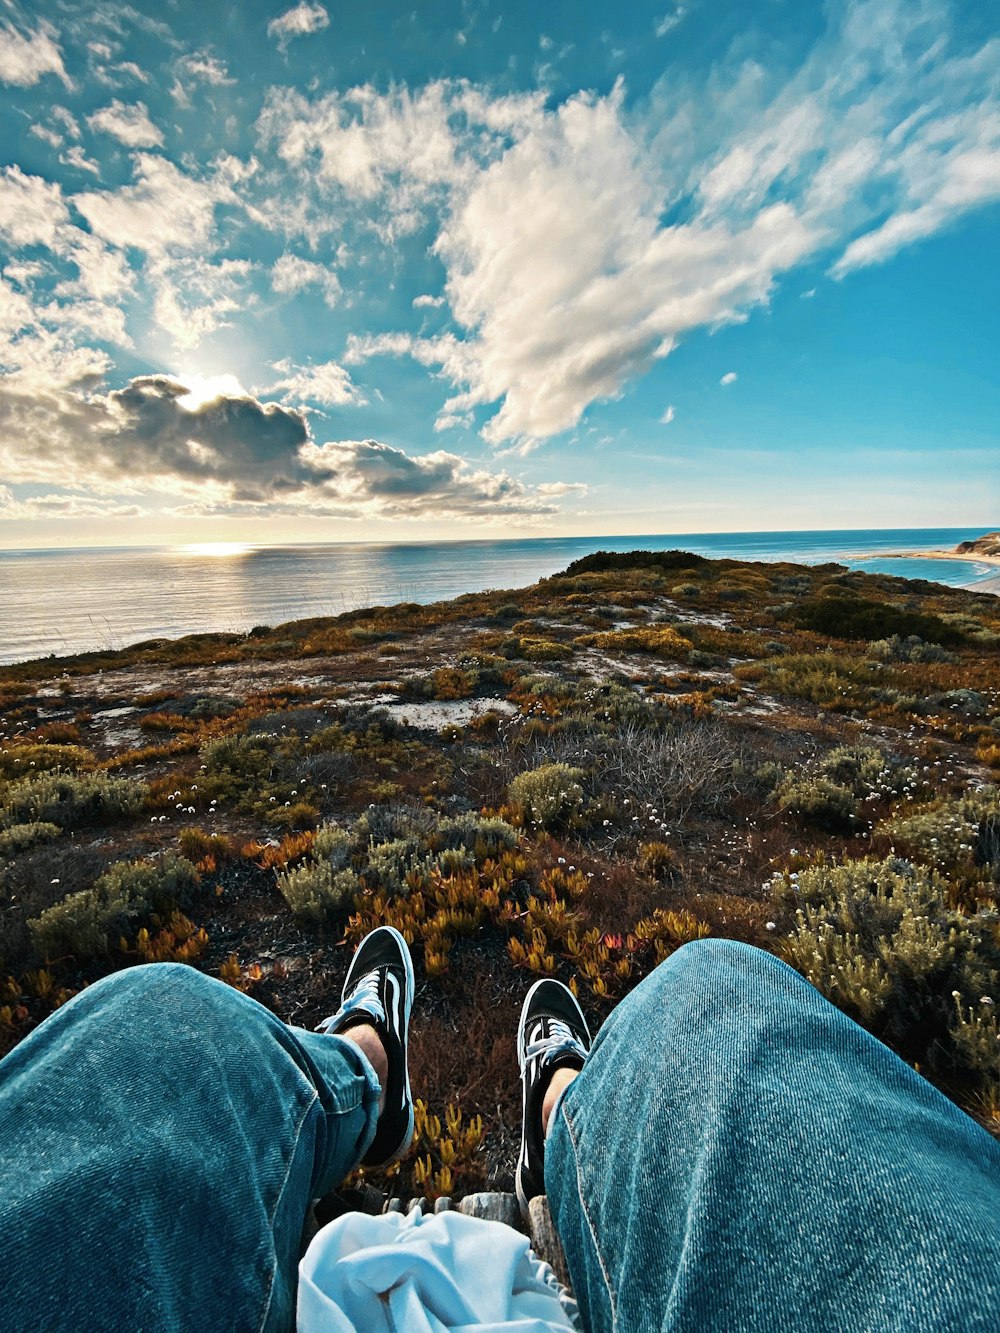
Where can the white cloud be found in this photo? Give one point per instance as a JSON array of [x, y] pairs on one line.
[[32, 210], [730, 377], [74, 156], [453, 421], [25, 58], [64, 117], [668, 415], [191, 70], [301, 21], [195, 297], [560, 272], [408, 147], [329, 384], [670, 20], [557, 488], [428, 302], [129, 124], [567, 284], [291, 274], [52, 137], [164, 209]]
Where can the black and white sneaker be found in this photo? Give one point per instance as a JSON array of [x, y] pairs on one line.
[[379, 990], [551, 1035]]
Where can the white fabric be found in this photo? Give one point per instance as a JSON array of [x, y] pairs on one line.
[[426, 1274]]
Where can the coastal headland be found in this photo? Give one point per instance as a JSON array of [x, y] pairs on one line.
[[572, 778]]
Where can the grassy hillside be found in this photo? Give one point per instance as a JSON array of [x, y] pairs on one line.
[[572, 779]]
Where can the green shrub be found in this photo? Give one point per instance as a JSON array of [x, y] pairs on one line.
[[660, 640], [866, 772], [88, 923], [389, 852], [954, 833], [317, 893], [20, 837], [69, 800], [822, 678], [603, 561], [248, 758], [879, 939], [908, 648], [849, 617], [18, 761], [544, 650], [820, 801], [487, 838], [686, 590], [550, 795]]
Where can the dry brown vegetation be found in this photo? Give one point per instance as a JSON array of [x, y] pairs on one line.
[[572, 778]]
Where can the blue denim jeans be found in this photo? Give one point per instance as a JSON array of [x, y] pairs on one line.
[[161, 1137], [735, 1155], [738, 1155]]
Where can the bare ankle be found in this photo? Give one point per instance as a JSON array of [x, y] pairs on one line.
[[366, 1038], [558, 1084]]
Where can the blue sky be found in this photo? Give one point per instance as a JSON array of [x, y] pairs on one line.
[[320, 272]]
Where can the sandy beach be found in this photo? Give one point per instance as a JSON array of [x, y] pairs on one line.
[[970, 558], [990, 585]]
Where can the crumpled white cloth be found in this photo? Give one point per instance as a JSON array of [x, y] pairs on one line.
[[427, 1274]]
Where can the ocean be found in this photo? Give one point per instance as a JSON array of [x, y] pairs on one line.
[[70, 601]]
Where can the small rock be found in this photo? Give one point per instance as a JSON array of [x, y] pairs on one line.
[[545, 1239], [442, 1205], [493, 1208]]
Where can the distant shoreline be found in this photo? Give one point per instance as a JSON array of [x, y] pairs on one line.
[[990, 585], [970, 557]]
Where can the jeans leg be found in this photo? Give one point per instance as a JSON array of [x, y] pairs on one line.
[[738, 1155], [161, 1137]]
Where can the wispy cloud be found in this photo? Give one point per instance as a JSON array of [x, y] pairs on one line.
[[26, 57], [669, 21], [329, 384], [730, 377], [301, 21], [129, 124], [668, 415], [291, 274]]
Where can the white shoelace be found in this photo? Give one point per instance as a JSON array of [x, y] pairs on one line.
[[560, 1041], [364, 996]]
